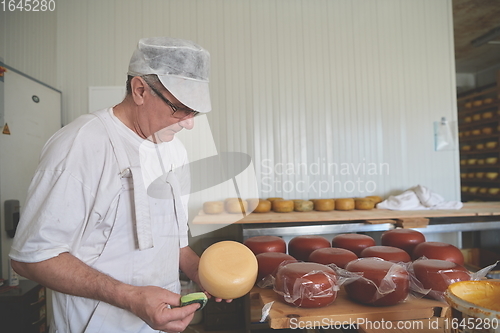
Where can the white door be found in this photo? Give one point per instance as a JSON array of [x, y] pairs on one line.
[[32, 112]]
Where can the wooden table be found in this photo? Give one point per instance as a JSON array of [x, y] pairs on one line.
[[343, 311]]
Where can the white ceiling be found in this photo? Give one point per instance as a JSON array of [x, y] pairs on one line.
[[472, 19]]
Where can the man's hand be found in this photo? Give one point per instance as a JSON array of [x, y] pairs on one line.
[[158, 307]]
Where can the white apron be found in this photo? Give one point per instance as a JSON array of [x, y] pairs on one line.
[[142, 253]]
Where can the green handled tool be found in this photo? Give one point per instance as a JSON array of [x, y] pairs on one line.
[[198, 297]]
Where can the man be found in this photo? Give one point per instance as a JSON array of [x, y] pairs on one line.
[[105, 224]]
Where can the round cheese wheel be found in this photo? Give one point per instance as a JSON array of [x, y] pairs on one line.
[[405, 239], [353, 242], [300, 247], [213, 207], [393, 288], [306, 284], [344, 204], [282, 206], [388, 253], [274, 198], [269, 262], [324, 205], [364, 204], [261, 244], [303, 205], [375, 198], [259, 205], [236, 206], [437, 275], [332, 255], [438, 250], [227, 269]]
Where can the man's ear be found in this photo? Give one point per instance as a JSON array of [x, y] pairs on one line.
[[138, 86]]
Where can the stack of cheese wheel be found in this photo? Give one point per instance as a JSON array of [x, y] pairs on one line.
[[282, 206], [383, 283], [300, 247], [438, 250], [332, 255], [259, 205], [268, 263], [236, 205], [324, 205], [437, 275], [213, 207], [389, 253], [405, 239], [306, 284], [227, 269], [261, 244], [353, 242], [344, 204]]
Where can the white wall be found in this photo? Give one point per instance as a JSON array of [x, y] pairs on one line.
[[294, 82]]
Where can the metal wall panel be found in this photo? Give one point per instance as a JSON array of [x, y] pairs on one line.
[[333, 96]]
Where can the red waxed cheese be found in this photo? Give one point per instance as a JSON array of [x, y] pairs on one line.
[[376, 269], [268, 263], [438, 275], [405, 239], [301, 247], [306, 284], [389, 253], [332, 255], [353, 242], [438, 250], [261, 244]]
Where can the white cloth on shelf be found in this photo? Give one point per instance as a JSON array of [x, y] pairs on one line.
[[418, 198]]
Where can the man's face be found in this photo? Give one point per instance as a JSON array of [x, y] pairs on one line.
[[159, 119]]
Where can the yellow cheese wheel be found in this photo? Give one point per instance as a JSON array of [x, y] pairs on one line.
[[492, 175], [213, 207], [476, 132], [274, 198], [259, 205], [487, 100], [375, 198], [476, 117], [324, 205], [236, 206], [487, 115], [344, 204], [364, 204], [477, 103], [487, 130], [494, 190], [468, 119], [228, 269], [491, 144], [283, 206], [491, 160], [303, 205]]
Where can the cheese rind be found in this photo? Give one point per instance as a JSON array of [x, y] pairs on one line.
[[228, 269]]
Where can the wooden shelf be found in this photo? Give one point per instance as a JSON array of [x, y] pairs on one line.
[[489, 91]]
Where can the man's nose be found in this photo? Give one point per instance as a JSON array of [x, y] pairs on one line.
[[187, 123]]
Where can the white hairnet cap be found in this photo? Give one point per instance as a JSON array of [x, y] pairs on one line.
[[181, 65]]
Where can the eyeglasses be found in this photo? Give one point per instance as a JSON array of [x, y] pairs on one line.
[[182, 112]]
